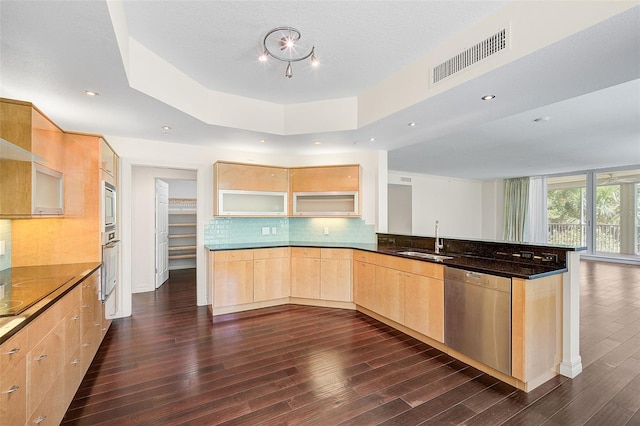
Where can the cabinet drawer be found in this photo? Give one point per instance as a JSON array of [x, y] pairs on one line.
[[332, 253], [13, 394], [13, 351], [271, 253], [365, 256], [232, 255], [305, 252]]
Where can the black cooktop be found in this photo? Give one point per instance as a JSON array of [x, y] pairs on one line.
[[17, 293]]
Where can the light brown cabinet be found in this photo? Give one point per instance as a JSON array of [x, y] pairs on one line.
[[325, 178], [259, 190], [31, 184], [364, 279], [108, 163], [250, 190], [305, 272], [13, 380], [335, 274], [271, 275], [232, 278], [325, 191], [409, 292]]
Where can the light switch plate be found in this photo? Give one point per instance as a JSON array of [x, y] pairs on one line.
[[3, 248], [274, 230], [265, 230]]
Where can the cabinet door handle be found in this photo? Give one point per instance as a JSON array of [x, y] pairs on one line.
[[13, 351], [40, 419], [76, 318], [86, 344], [75, 361], [41, 358], [12, 389], [85, 306]]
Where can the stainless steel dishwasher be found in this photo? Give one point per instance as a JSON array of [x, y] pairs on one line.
[[477, 316]]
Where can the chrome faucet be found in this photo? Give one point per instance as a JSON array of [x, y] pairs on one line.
[[438, 246]]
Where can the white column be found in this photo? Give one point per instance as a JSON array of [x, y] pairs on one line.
[[571, 364], [628, 234]]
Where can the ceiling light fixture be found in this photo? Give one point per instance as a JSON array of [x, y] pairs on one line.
[[90, 93], [412, 124], [286, 40], [488, 97], [165, 127], [372, 139]]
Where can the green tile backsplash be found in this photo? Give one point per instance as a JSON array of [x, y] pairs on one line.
[[227, 230]]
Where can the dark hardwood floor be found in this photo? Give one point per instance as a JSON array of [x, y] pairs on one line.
[[170, 364]]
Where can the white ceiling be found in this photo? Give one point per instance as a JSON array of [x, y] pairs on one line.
[[588, 83]]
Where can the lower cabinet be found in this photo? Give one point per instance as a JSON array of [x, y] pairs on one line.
[[43, 364], [271, 276], [389, 294], [305, 272], [335, 274], [424, 305], [232, 278]]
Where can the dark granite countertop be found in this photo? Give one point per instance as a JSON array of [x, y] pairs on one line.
[[38, 288], [500, 267]]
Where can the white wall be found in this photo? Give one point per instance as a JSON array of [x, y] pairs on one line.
[[136, 152], [456, 203], [143, 204]]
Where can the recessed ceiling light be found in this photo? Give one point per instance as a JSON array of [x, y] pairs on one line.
[[261, 141], [412, 124], [540, 119], [488, 97], [90, 93], [372, 139], [165, 127], [317, 143]]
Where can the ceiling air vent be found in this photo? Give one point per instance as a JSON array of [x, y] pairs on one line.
[[405, 179], [480, 51]]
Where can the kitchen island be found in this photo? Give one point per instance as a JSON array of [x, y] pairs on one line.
[[391, 282]]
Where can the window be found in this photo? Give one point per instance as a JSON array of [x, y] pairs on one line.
[[599, 210]]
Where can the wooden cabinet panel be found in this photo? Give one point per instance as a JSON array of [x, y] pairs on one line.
[[424, 303], [364, 276], [44, 364], [536, 332], [233, 279], [389, 297], [336, 274], [13, 392], [325, 178], [47, 141], [250, 177], [305, 275], [270, 278], [23, 125], [108, 162], [72, 375]]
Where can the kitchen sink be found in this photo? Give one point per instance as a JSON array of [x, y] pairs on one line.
[[422, 255]]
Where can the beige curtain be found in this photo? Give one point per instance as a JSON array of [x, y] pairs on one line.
[[516, 208]]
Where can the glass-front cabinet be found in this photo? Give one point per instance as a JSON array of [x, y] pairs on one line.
[[251, 203]]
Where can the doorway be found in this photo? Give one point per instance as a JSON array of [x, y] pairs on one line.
[[144, 244]]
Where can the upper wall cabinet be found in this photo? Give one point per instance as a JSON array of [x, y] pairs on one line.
[[30, 187], [325, 191], [108, 163], [250, 190]]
